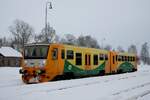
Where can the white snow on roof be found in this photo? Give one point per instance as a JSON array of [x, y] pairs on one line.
[[9, 52]]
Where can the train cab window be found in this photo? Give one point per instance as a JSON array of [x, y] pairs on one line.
[[106, 57], [70, 54], [63, 54], [55, 54], [78, 59], [101, 57], [95, 60]]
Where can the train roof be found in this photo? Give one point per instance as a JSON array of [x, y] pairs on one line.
[[33, 44], [81, 47], [68, 46], [86, 48], [126, 54]]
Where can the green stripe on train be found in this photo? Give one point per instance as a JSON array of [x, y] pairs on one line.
[[68, 67], [126, 67]]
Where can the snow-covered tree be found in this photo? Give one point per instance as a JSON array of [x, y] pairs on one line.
[[57, 39], [108, 47], [4, 41], [144, 56], [21, 32], [132, 49], [120, 49], [1, 42], [69, 39], [47, 35], [87, 41]]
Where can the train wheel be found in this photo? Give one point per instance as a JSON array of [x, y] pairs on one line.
[[69, 75], [133, 70], [119, 71]]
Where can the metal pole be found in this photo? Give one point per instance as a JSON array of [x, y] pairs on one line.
[[46, 18]]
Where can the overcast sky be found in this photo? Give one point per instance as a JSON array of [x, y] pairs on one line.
[[115, 22]]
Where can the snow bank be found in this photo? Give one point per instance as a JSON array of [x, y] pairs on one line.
[[143, 67]]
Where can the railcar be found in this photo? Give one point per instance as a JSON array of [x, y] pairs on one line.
[[123, 62], [46, 62]]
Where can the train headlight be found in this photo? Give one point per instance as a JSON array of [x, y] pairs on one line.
[[40, 71], [44, 61], [21, 71], [42, 64], [25, 62]]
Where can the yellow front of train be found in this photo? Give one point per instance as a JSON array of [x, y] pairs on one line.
[[34, 63]]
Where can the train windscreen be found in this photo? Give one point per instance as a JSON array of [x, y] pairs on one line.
[[36, 52]]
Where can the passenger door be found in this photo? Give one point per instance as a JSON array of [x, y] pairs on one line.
[[87, 61], [58, 63], [113, 62]]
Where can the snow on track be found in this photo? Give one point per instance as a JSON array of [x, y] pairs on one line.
[[127, 86]]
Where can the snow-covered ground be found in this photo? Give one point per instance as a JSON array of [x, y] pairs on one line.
[[128, 86]]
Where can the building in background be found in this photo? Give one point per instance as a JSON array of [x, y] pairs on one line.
[[10, 57]]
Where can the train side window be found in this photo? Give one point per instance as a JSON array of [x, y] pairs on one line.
[[119, 58], [116, 58], [70, 54], [55, 54], [78, 59], [136, 58], [86, 60], [89, 59], [106, 57], [101, 57], [125, 58], [113, 59], [122, 58], [129, 58], [95, 59], [133, 58], [63, 54]]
